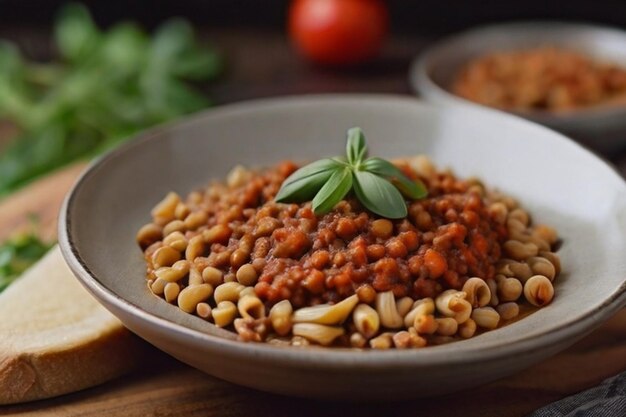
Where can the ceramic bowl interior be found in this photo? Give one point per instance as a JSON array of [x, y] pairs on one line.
[[555, 179], [601, 127]]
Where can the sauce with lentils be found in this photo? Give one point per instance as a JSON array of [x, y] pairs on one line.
[[447, 237]]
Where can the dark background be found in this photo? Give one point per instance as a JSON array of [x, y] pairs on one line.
[[425, 17]]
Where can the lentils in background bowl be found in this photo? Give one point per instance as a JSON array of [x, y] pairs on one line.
[[543, 78]]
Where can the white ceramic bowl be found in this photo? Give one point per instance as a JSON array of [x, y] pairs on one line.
[[558, 181], [602, 128]]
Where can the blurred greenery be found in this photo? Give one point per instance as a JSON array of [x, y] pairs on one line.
[[17, 254], [104, 87]]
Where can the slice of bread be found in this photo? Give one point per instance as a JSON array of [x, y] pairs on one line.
[[55, 338]]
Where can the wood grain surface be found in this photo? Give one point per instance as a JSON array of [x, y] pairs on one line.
[[164, 387], [263, 65]]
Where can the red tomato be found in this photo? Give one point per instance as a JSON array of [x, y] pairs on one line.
[[338, 32]]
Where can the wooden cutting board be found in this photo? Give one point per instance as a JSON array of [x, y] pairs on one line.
[[163, 386]]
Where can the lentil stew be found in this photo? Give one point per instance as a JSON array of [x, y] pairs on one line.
[[464, 260]]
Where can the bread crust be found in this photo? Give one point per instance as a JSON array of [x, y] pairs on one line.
[[56, 338]]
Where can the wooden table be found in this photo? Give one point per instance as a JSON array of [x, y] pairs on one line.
[[261, 65]]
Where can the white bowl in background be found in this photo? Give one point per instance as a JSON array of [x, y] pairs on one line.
[[601, 127]]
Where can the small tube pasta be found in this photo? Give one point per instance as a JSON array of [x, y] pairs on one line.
[[299, 341], [171, 292], [521, 271], [509, 289], [415, 339], [520, 215], [204, 310], [195, 248], [165, 208], [383, 341], [213, 276], [425, 324], [248, 331], [421, 307], [467, 329], [493, 287], [538, 290], [442, 302], [165, 256], [402, 339], [357, 340], [181, 211], [504, 267], [387, 311], [195, 277], [247, 291], [228, 291], [477, 292], [486, 317], [526, 237], [452, 303], [158, 286], [190, 296], [224, 314], [404, 305], [280, 317], [447, 326], [327, 313], [422, 165], [554, 260], [250, 306], [366, 320], [318, 333], [520, 251], [174, 273], [508, 310], [546, 233], [542, 266]]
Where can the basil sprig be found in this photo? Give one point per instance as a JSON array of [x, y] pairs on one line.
[[378, 184]]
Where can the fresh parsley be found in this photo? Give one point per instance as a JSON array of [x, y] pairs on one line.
[[378, 184]]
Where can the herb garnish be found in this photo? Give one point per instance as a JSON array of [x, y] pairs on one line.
[[378, 184]]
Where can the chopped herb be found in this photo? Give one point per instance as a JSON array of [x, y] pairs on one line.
[[378, 184]]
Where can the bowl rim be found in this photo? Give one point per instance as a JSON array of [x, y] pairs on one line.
[[327, 358], [422, 83]]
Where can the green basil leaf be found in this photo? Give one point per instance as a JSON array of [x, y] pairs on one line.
[[333, 191], [409, 188], [303, 184], [379, 196], [355, 146]]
